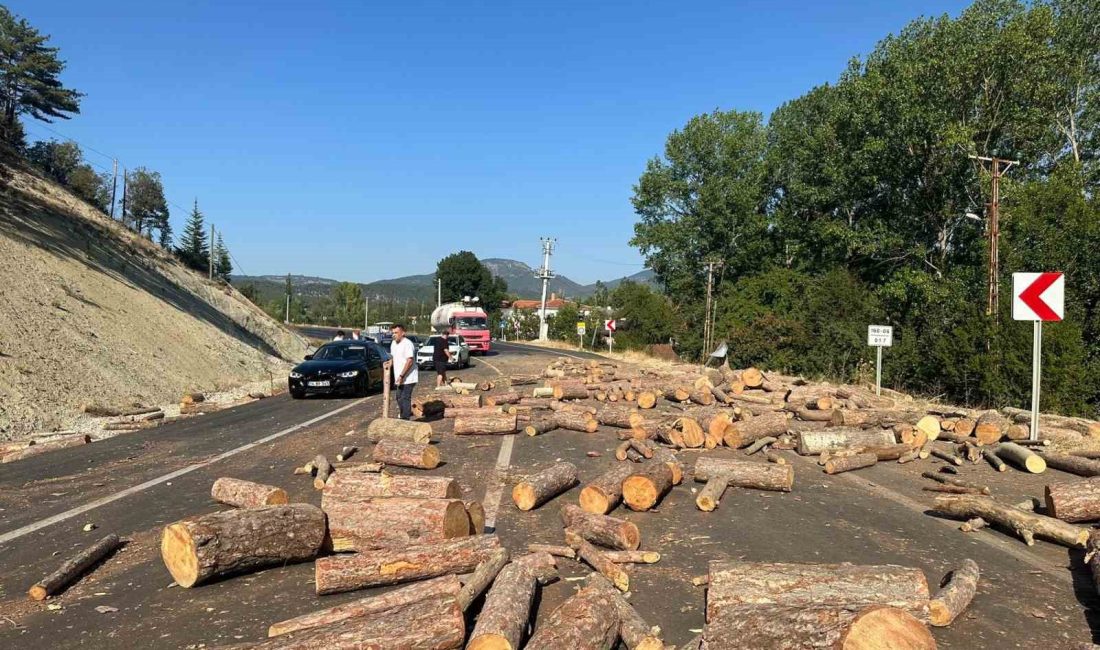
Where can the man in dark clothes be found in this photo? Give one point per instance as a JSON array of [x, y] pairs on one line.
[[441, 356]]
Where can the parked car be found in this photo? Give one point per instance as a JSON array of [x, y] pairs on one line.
[[353, 367], [460, 352]]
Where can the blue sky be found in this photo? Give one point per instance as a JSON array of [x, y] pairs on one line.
[[365, 140]]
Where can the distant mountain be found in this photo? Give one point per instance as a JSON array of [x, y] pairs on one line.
[[519, 276]]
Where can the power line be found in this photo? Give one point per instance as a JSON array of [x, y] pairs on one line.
[[82, 145]]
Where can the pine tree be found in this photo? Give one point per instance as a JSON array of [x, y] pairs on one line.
[[223, 266], [194, 249]]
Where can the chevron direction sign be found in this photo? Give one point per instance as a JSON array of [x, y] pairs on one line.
[[1038, 296]]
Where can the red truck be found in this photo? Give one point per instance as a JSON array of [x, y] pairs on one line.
[[465, 319]]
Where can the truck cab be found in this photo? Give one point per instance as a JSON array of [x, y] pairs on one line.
[[473, 326]]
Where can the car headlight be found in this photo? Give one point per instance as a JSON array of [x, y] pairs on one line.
[[295, 375], [349, 374]]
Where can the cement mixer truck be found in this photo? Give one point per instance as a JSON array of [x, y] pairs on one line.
[[466, 319]]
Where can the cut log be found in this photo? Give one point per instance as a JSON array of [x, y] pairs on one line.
[[348, 572], [489, 424], [1027, 525], [964, 426], [813, 443], [930, 426], [633, 557], [803, 585], [73, 568], [366, 524], [586, 621], [615, 416], [647, 399], [419, 432], [45, 447], [990, 428], [746, 474], [510, 397], [711, 494], [991, 456], [539, 488], [347, 468], [452, 413], [849, 463], [973, 525], [246, 494], [811, 415], [745, 432], [947, 480], [476, 514], [350, 486], [236, 541], [601, 529], [503, 618], [576, 422], [752, 378], [672, 462], [596, 559], [1022, 457], [552, 549], [322, 469], [406, 453], [817, 627], [1074, 501], [570, 390], [542, 391], [1092, 558], [482, 577], [536, 403], [677, 394], [644, 488], [19, 445], [372, 605], [540, 425], [947, 457], [955, 596], [636, 634], [1071, 464], [605, 492], [346, 453]]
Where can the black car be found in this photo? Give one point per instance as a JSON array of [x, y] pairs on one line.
[[353, 367]]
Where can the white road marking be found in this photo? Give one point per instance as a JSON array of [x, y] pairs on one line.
[[92, 505], [495, 369], [495, 490]]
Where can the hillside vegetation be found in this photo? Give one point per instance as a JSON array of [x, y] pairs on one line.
[[92, 311]]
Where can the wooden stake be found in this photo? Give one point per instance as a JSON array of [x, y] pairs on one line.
[[73, 568]]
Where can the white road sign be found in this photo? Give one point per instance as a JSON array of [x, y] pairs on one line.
[[880, 336], [610, 325], [1038, 296]]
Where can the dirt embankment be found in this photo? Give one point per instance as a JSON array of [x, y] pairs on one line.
[[91, 312]]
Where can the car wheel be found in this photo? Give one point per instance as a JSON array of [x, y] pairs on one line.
[[362, 387]]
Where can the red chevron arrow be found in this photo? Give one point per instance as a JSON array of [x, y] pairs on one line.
[[1032, 296]]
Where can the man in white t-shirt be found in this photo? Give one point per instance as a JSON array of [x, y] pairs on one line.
[[405, 374]]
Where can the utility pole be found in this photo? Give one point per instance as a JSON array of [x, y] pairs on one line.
[[545, 274], [439, 292], [366, 313], [211, 247], [997, 168], [114, 187], [708, 319], [125, 176], [287, 308]]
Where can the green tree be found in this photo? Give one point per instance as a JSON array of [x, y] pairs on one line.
[[194, 250], [95, 188], [645, 316], [347, 303], [146, 207], [29, 77], [57, 160], [464, 275], [223, 266]]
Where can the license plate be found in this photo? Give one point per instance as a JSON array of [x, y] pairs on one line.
[[318, 384]]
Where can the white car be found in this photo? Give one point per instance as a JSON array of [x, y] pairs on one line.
[[460, 352]]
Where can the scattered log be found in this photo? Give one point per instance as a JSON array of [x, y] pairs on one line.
[[542, 391], [322, 469], [503, 617], [576, 422], [950, 489], [812, 443], [849, 463], [246, 494], [1092, 558], [746, 474], [1027, 525], [745, 432], [973, 525], [586, 621], [511, 397], [539, 488], [601, 529], [641, 447], [540, 425], [73, 568], [406, 453], [346, 453], [347, 468], [947, 457], [633, 557], [1021, 457], [350, 486], [452, 413], [955, 596], [419, 592], [1074, 501], [553, 549], [348, 572], [991, 456], [605, 492], [487, 424], [418, 432], [596, 559], [947, 480], [615, 416], [636, 634], [672, 462], [19, 445], [774, 457], [644, 488], [482, 577], [711, 494], [367, 524], [570, 391], [1071, 464], [45, 447], [816, 626], [236, 541], [990, 428], [476, 514], [811, 415], [803, 585], [930, 426]]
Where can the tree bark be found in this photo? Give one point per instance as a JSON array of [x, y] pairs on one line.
[[615, 416], [73, 568], [735, 583], [596, 559], [1074, 501], [708, 498], [235, 541], [812, 443], [503, 617], [644, 488], [340, 573], [366, 524], [419, 592], [1072, 464], [246, 494], [746, 473], [419, 432], [539, 488], [605, 492], [576, 422], [1092, 558], [601, 529], [510, 397], [540, 425], [953, 598], [406, 453], [452, 413], [482, 577], [990, 427], [552, 549], [745, 432], [815, 627], [488, 424], [636, 634], [849, 463], [359, 487], [1026, 524], [570, 391], [586, 621], [476, 513], [1022, 457]]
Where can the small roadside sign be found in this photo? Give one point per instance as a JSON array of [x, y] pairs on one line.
[[580, 328], [1039, 298], [880, 336], [610, 325]]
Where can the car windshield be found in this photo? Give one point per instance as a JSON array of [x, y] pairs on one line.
[[470, 322], [340, 353]]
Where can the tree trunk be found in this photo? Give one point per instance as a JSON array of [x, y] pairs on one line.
[[1022, 457], [348, 572], [246, 494], [605, 492], [990, 428], [952, 598], [746, 473], [691, 434], [1071, 464], [1074, 501], [539, 488], [609, 532], [538, 403], [476, 513], [503, 617], [633, 557], [745, 432], [714, 420], [586, 621], [406, 453], [708, 498], [849, 463], [494, 423], [647, 399], [540, 425], [1026, 524], [482, 577], [235, 541], [371, 605], [735, 583], [812, 415], [554, 550], [511, 397], [816, 627], [452, 413], [644, 488], [360, 487], [636, 634], [73, 568], [812, 443], [570, 391], [615, 416], [752, 378], [365, 524], [419, 432], [596, 559]]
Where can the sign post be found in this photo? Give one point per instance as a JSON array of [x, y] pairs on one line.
[[879, 336], [580, 334], [1037, 297], [610, 325]]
